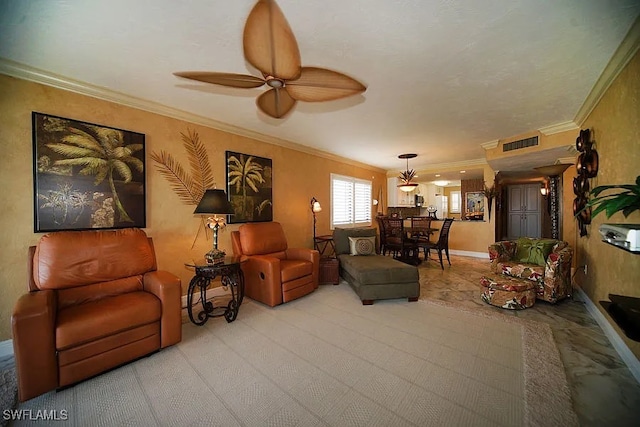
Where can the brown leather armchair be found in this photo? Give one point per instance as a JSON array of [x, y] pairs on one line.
[[274, 273], [96, 301]]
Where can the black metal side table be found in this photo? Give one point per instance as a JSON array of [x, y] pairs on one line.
[[231, 277]]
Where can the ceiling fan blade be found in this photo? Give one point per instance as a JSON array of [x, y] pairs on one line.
[[275, 103], [319, 84], [269, 43], [224, 79]]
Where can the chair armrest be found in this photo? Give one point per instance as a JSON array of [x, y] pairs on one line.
[[302, 253], [167, 288], [262, 279], [311, 255], [559, 262], [502, 251], [33, 323]]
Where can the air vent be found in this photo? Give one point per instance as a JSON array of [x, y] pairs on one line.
[[523, 143]]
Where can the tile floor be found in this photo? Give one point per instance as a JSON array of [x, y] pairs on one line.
[[604, 391]]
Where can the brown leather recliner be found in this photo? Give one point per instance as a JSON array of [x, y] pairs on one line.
[[96, 301], [273, 272]]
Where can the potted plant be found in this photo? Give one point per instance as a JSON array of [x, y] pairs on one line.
[[627, 200]]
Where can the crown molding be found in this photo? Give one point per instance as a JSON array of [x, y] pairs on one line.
[[619, 60], [559, 127], [490, 145], [25, 72]]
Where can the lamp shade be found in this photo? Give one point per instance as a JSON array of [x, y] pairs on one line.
[[214, 202]]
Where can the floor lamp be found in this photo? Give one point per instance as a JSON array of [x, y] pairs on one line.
[[315, 208]]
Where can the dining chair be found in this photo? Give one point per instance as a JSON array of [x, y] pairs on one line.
[[420, 231], [383, 234], [443, 242], [393, 231], [404, 247]]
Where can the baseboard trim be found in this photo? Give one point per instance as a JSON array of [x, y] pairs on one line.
[[617, 342], [6, 348], [483, 255], [211, 293]]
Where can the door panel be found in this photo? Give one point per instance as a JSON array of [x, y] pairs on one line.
[[515, 198], [524, 215]]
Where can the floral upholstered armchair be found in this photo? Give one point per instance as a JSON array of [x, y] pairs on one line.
[[547, 262]]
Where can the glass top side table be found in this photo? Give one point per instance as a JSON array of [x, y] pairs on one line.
[[231, 277]]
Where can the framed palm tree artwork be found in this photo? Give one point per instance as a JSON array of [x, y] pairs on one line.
[[249, 187], [86, 176]]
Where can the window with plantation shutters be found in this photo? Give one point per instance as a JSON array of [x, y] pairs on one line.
[[350, 202]]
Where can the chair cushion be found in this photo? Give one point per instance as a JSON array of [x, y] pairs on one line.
[[86, 322], [262, 238], [291, 269], [362, 245], [531, 272], [534, 251], [77, 258]]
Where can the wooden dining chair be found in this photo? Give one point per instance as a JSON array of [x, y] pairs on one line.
[[393, 230], [383, 234], [443, 242], [420, 228]]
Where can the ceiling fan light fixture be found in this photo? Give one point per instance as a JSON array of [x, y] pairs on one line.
[[275, 82], [270, 46]]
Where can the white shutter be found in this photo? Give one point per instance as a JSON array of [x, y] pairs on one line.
[[362, 206], [350, 201], [342, 202]]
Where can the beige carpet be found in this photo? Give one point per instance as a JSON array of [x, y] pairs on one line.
[[8, 390], [327, 360]]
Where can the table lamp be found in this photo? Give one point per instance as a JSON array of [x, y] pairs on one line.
[[214, 202]]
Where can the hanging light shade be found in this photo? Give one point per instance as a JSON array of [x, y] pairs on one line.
[[407, 175]]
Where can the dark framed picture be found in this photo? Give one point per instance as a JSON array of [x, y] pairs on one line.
[[474, 205], [86, 176], [249, 186]]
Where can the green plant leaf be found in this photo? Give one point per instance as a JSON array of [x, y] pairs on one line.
[[629, 209]]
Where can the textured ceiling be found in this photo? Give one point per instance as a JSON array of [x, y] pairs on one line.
[[443, 76]]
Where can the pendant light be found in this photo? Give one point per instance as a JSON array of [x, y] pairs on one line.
[[408, 175]]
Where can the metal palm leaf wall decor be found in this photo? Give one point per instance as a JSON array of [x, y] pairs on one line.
[[189, 186]]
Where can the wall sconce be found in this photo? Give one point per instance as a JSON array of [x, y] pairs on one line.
[[544, 190], [315, 208]]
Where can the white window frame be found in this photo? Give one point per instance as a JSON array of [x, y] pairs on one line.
[[455, 195], [360, 214]]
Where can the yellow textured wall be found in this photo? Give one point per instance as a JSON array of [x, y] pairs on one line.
[[297, 177], [615, 128]]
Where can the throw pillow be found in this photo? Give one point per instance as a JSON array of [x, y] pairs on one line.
[[534, 251], [362, 245]]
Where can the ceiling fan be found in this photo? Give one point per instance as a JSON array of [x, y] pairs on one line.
[[270, 46]]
